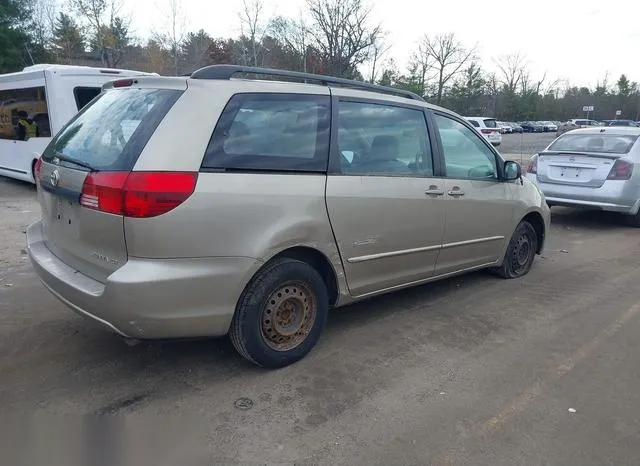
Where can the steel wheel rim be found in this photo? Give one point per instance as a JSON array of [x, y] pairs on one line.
[[288, 316], [521, 252]]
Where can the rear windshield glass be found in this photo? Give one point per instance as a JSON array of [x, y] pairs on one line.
[[490, 123], [110, 133], [602, 143], [281, 132]]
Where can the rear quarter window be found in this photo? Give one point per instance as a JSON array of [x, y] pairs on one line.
[[111, 132], [280, 132]]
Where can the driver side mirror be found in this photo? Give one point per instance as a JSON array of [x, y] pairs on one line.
[[512, 170]]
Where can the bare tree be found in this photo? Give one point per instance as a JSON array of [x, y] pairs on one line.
[[513, 71], [294, 35], [420, 65], [107, 29], [173, 35], [379, 50], [252, 23], [448, 56], [44, 20], [343, 34]]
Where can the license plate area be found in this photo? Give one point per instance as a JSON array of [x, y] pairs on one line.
[[571, 174], [64, 215]]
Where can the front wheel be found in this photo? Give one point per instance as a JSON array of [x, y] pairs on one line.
[[281, 314], [520, 253], [633, 220]]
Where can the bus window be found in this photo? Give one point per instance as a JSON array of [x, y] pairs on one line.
[[84, 95], [14, 103]]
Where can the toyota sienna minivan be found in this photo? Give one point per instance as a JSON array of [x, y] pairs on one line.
[[223, 204]]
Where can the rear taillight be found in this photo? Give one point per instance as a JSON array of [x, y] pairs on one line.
[[36, 170], [621, 170], [137, 194], [533, 165], [486, 131]]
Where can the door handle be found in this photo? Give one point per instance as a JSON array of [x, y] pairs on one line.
[[434, 191], [456, 192]]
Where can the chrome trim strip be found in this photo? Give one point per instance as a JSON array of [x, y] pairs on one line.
[[404, 252], [382, 255], [472, 241]]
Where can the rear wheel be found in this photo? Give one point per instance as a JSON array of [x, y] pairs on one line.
[[281, 314], [520, 253]]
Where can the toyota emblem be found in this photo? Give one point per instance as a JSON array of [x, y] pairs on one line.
[[54, 178]]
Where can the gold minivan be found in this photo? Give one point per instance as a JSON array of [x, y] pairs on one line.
[[206, 205]]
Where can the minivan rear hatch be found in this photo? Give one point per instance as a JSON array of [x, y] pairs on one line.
[[585, 159], [84, 168]]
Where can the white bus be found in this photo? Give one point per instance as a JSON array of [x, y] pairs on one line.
[[49, 96]]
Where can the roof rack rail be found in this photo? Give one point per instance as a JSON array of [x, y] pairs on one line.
[[225, 72]]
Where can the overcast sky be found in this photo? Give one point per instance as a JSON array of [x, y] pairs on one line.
[[577, 40]]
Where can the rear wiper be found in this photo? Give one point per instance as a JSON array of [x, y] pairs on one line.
[[70, 160]]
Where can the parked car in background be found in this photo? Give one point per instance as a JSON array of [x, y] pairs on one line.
[[584, 123], [592, 167], [505, 128], [515, 127], [565, 127], [622, 123], [549, 126], [287, 199], [531, 127], [50, 95], [488, 127]]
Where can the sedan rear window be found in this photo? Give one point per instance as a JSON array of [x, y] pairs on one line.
[[490, 123], [110, 133], [598, 143]]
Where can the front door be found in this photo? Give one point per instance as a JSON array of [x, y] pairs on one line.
[[479, 205], [385, 206]]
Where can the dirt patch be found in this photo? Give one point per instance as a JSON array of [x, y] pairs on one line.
[[18, 208]]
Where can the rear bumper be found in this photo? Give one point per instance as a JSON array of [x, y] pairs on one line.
[[612, 196], [149, 298]]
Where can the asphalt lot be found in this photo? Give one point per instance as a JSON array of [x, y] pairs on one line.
[[473, 370]]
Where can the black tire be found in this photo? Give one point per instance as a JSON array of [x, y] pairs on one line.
[[520, 253], [633, 220], [267, 335]]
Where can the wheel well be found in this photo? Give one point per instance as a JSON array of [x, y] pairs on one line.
[[536, 221], [318, 261], [33, 169]]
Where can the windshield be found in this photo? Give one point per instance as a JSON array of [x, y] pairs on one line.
[[111, 132], [599, 143]]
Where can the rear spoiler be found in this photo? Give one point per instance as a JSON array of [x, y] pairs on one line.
[[606, 155]]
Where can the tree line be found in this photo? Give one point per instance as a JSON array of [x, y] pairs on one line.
[[333, 37]]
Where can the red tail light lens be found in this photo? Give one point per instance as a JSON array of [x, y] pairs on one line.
[[36, 170], [124, 83], [486, 131], [533, 165], [621, 170], [137, 194]]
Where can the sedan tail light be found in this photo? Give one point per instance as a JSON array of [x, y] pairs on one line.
[[137, 194], [487, 131], [533, 165], [621, 170]]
